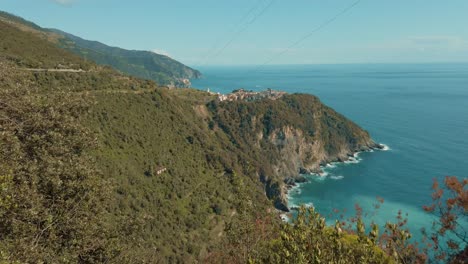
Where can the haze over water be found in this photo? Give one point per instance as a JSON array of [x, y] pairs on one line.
[[419, 110]]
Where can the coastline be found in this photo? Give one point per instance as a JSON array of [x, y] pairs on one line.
[[294, 184]]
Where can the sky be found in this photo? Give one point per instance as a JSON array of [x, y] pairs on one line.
[[263, 32]]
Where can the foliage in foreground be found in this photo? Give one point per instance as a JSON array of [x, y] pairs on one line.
[[449, 234], [50, 192], [309, 240], [259, 239]]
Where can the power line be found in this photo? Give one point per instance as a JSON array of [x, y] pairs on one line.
[[261, 12], [250, 11], [319, 27], [241, 30], [218, 41], [244, 29]]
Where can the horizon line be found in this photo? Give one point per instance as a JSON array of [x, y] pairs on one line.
[[344, 63]]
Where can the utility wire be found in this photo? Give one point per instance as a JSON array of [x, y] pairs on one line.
[[241, 30], [259, 2], [244, 28], [218, 41], [318, 28]]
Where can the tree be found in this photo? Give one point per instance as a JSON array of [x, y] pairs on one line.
[[449, 232]]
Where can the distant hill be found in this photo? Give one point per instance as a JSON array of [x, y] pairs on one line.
[[143, 64], [19, 20]]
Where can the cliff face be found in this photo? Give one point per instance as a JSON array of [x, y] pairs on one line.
[[296, 152], [287, 137]]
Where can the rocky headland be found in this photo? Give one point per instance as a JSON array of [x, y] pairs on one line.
[[287, 136]]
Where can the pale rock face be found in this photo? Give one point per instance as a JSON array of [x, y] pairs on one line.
[[293, 147], [313, 136], [300, 154]]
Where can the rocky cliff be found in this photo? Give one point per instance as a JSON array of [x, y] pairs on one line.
[[287, 137]]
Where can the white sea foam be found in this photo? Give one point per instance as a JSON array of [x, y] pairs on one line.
[[291, 203], [296, 189], [323, 174], [385, 147], [296, 206], [353, 161], [337, 177], [319, 178]]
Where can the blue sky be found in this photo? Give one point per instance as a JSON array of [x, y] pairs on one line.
[[257, 31]]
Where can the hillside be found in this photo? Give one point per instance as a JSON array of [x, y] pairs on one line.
[[97, 166], [143, 64]]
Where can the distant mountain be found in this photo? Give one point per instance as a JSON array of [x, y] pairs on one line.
[[12, 18], [144, 64]]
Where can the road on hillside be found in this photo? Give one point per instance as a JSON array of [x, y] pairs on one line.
[[52, 70]]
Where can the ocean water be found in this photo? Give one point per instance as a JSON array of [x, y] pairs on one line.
[[419, 110]]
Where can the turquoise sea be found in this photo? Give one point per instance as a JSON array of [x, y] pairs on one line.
[[419, 110]]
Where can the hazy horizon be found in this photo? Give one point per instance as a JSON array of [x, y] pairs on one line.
[[258, 32], [349, 63]]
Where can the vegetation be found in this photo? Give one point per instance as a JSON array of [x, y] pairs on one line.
[[143, 64], [29, 51], [275, 139], [127, 127], [175, 214], [51, 192], [78, 181], [242, 121], [307, 239], [449, 236]]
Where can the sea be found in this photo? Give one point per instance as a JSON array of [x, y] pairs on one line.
[[420, 111]]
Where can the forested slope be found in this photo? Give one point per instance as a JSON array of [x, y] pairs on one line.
[[97, 166]]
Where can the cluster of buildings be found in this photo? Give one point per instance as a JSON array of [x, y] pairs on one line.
[[160, 170], [244, 95]]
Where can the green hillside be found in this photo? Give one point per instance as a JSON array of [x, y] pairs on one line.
[[100, 167], [132, 127], [143, 64]]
